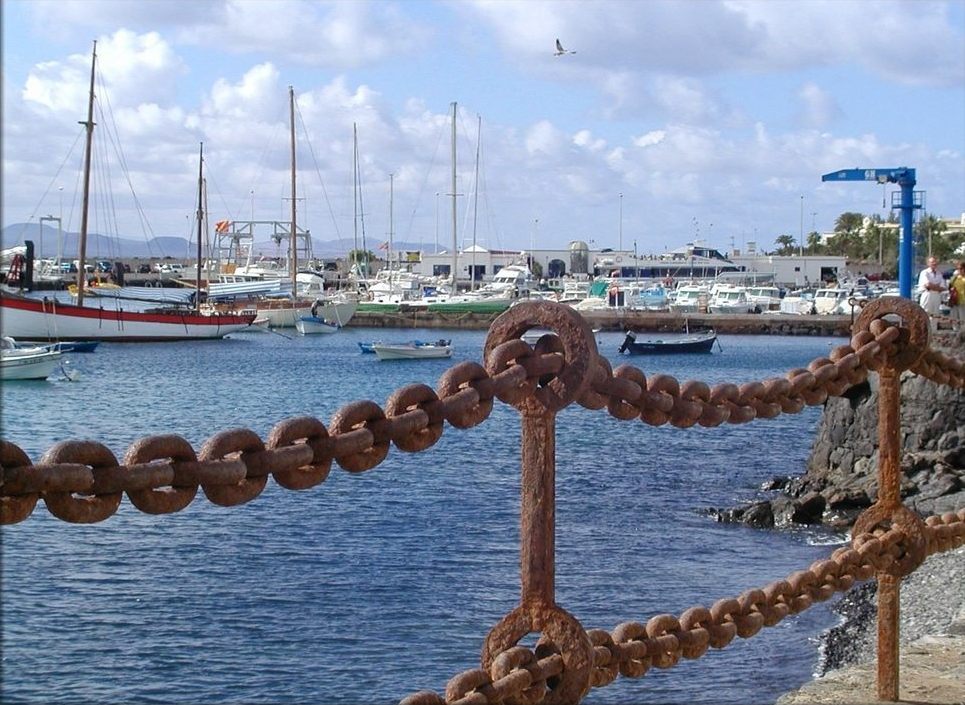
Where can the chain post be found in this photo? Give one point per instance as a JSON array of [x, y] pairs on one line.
[[538, 508], [889, 496]]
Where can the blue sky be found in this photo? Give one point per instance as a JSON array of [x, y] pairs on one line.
[[712, 119]]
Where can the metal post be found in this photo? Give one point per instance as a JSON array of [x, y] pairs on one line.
[[889, 497], [906, 259], [538, 510]]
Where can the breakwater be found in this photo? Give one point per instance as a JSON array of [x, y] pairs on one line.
[[619, 320]]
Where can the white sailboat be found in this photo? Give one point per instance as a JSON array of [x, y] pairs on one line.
[[26, 318]]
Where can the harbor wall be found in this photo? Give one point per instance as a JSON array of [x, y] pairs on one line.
[[618, 320]]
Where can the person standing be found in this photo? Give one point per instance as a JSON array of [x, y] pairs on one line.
[[931, 284], [957, 284]]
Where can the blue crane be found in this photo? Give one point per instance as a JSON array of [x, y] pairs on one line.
[[904, 177]]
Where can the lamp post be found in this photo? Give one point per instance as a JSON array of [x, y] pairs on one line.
[[800, 241], [437, 223]]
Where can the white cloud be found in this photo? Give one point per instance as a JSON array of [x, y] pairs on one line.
[[818, 108]]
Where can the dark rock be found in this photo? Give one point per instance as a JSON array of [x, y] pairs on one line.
[[778, 482], [759, 515], [810, 509]]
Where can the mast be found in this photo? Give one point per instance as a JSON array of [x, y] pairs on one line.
[[197, 283], [391, 194], [475, 205], [293, 253], [455, 254], [355, 195], [82, 245]]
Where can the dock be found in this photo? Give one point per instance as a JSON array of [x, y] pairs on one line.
[[623, 319]]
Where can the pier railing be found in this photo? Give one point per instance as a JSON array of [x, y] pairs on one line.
[[83, 482]]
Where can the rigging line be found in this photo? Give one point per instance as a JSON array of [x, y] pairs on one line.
[[425, 180], [269, 147], [318, 172], [50, 185], [358, 177], [110, 127], [209, 174]]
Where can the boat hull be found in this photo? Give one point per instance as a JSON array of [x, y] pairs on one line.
[[411, 352], [29, 366], [49, 320], [309, 325], [685, 345]]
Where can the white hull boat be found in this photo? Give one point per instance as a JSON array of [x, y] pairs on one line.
[[50, 320], [26, 363], [411, 351], [310, 325], [337, 312]]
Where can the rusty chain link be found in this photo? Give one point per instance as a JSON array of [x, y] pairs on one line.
[[81, 481]]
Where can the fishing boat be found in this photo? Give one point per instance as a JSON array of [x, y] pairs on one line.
[[37, 362], [33, 319], [702, 342], [413, 351], [313, 325], [75, 346], [368, 348]]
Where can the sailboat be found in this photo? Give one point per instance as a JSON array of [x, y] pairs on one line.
[[293, 312], [26, 318]]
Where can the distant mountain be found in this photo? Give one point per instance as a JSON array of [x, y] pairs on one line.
[[104, 247]]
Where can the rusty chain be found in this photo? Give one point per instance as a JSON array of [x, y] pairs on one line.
[[83, 482], [520, 675]]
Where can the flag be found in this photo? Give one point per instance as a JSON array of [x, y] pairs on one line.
[[222, 226], [384, 245]]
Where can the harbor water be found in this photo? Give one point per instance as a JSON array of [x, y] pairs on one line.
[[369, 587]]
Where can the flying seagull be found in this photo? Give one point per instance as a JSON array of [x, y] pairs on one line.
[[560, 50]]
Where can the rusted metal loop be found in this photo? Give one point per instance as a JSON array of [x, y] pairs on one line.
[[579, 351], [354, 416], [231, 442], [693, 625], [606, 663], [464, 683], [914, 543], [563, 630], [423, 697], [457, 380], [600, 371], [662, 628], [82, 508], [312, 432], [414, 396], [513, 351], [508, 661], [914, 320], [630, 637], [625, 389], [165, 499], [14, 509]]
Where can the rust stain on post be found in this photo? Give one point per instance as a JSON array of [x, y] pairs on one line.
[[889, 496], [538, 510]]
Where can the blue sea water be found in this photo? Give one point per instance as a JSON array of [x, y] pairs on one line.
[[369, 587]]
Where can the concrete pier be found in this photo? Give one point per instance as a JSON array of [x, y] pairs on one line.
[[619, 320]]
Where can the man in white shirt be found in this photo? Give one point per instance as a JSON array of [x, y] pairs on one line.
[[931, 284]]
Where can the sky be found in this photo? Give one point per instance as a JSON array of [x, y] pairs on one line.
[[669, 121]]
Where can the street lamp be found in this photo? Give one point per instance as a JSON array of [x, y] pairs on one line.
[[800, 241]]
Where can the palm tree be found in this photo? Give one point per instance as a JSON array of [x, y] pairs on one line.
[[786, 243]]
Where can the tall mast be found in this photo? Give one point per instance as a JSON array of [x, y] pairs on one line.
[[82, 245], [197, 283], [475, 204], [355, 195], [455, 254], [293, 253], [391, 194]]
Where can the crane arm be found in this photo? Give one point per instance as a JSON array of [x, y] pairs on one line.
[[899, 175]]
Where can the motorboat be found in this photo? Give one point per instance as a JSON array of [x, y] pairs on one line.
[[731, 299], [415, 350], [690, 298], [313, 325], [34, 362], [702, 342]]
